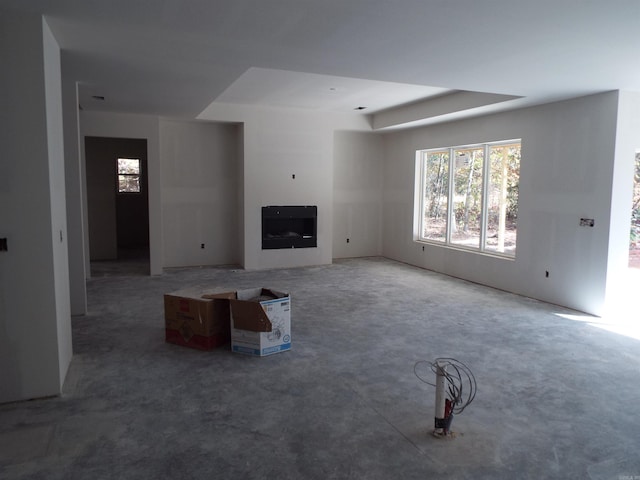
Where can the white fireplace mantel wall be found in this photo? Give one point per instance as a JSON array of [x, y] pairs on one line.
[[287, 160]]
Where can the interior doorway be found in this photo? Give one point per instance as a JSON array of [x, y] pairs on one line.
[[634, 233], [117, 205]]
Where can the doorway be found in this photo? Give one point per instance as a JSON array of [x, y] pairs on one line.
[[117, 206]]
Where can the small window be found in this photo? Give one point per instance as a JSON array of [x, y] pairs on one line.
[[128, 175]]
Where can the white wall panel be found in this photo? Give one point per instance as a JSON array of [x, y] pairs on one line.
[[35, 341], [199, 193], [357, 194], [55, 142], [566, 173]]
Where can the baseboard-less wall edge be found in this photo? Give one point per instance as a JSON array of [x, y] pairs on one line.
[[35, 399]]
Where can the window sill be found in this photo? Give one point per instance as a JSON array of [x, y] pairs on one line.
[[459, 248]]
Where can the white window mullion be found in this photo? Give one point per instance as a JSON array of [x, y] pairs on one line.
[[486, 169], [450, 206], [423, 186]]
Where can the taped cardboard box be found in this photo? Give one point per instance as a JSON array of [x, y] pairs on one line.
[[197, 318], [260, 322]]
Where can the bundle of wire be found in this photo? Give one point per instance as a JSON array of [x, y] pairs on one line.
[[461, 384]]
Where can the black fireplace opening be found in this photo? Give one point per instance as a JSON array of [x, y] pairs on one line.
[[289, 226]]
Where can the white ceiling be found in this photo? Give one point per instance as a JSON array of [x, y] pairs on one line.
[[175, 57], [280, 88]]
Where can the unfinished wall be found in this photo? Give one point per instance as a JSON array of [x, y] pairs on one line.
[[101, 198], [566, 173], [240, 192], [357, 194], [199, 162], [193, 185], [132, 209], [278, 145], [35, 333], [117, 125], [74, 185], [58, 222], [619, 289]]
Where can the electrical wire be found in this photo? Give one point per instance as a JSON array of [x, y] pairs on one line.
[[459, 379]]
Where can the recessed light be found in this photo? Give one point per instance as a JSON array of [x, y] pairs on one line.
[[360, 108]]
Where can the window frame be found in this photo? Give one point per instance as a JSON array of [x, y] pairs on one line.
[[420, 200], [138, 175]]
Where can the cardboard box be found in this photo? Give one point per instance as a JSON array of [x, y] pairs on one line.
[[197, 318], [260, 322]]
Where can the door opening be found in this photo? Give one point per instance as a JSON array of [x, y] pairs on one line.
[[118, 205]]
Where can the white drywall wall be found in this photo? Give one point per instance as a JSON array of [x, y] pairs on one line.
[[240, 192], [101, 198], [104, 124], [199, 169], [357, 194], [278, 145], [55, 141], [74, 177], [619, 290], [35, 343], [566, 174]]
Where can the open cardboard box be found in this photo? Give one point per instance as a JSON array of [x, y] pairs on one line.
[[197, 318], [260, 322]]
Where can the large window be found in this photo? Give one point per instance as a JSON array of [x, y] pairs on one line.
[[468, 196]]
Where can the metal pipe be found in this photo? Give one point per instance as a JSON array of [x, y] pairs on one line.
[[441, 383]]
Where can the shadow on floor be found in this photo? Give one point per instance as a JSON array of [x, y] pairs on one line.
[[130, 263]]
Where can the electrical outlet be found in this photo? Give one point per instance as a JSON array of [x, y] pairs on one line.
[[587, 222], [347, 240], [202, 245], [546, 274], [3, 245]]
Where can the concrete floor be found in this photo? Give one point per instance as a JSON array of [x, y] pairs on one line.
[[557, 396]]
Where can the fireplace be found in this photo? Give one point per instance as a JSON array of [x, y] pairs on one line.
[[289, 226]]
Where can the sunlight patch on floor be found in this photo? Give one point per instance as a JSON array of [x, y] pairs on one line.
[[622, 318], [620, 324]]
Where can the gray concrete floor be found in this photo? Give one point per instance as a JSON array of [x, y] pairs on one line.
[[557, 396]]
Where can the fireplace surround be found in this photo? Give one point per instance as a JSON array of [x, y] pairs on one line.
[[289, 226]]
